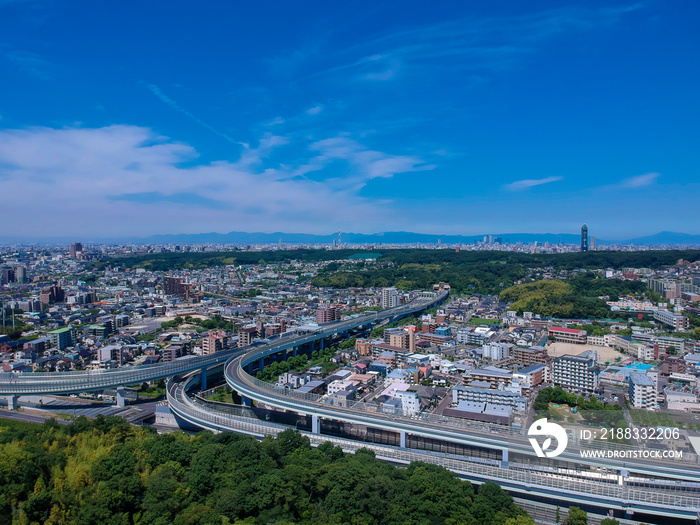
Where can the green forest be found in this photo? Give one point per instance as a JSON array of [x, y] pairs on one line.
[[486, 272], [105, 471], [575, 298], [563, 261]]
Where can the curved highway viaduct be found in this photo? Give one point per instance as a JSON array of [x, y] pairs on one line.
[[13, 385]]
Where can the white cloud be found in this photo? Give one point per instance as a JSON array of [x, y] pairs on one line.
[[275, 122], [640, 180], [525, 184], [368, 164], [473, 43], [315, 110], [127, 180]]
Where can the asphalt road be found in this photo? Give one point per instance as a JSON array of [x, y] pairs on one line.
[[28, 418]]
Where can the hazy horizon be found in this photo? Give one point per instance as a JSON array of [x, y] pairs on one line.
[[467, 119]]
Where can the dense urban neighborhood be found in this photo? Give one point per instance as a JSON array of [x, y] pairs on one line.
[[488, 362]]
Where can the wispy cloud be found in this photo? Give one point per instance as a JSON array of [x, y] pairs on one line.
[[525, 184], [130, 179], [479, 44], [173, 104], [640, 180], [31, 63], [367, 164], [184, 199], [315, 110]]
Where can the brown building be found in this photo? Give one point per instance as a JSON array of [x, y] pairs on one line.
[[327, 313], [177, 286], [673, 365], [52, 294], [75, 248], [531, 356], [428, 327], [214, 342], [489, 374], [363, 346], [246, 334]]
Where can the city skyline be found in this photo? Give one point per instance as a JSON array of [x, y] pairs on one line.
[[467, 121]]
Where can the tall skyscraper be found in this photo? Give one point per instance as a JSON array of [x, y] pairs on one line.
[[75, 248], [592, 244], [584, 238]]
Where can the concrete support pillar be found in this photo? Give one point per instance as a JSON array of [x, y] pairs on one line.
[[246, 401], [321, 341], [250, 369], [121, 397], [504, 458], [315, 424], [203, 379], [261, 364], [294, 351], [11, 402], [403, 439], [621, 478]]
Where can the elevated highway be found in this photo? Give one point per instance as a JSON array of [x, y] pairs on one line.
[[17, 384], [519, 479]]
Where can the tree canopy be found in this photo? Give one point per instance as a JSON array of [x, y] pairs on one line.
[[109, 472]]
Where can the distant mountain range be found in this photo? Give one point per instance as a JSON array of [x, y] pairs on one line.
[[662, 238]]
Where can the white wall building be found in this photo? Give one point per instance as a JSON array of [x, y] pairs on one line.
[[642, 391]]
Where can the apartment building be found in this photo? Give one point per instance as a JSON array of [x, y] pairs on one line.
[[496, 351], [577, 372], [214, 342], [63, 337], [327, 313], [490, 374], [389, 298], [246, 334], [531, 356], [678, 322], [642, 391], [501, 396]]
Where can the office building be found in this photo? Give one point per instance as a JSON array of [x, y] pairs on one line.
[[8, 276], [584, 238], [52, 294], [178, 287], [75, 249]]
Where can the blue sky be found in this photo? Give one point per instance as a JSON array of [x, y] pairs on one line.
[[135, 118]]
